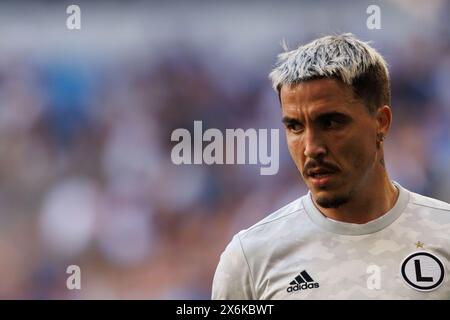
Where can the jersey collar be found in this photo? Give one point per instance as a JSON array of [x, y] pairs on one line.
[[346, 228]]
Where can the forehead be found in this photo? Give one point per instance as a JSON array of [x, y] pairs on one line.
[[317, 95]]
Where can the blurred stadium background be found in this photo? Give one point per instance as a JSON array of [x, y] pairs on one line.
[[86, 117]]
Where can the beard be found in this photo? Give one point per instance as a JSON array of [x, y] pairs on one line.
[[334, 201]]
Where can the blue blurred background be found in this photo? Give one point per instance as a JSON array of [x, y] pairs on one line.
[[86, 116]]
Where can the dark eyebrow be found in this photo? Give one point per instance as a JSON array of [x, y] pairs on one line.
[[288, 120], [322, 116], [333, 115]]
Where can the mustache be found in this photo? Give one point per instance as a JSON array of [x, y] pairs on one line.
[[319, 164]]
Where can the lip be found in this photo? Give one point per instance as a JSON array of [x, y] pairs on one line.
[[322, 180]]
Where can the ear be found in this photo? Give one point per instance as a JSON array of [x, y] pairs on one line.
[[384, 119]]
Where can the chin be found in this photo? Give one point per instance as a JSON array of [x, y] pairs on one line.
[[329, 200]]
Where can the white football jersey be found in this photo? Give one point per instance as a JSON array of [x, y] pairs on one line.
[[298, 253]]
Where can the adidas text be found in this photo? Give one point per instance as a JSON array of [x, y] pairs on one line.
[[303, 286]]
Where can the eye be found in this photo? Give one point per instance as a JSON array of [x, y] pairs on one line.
[[294, 127], [329, 124], [332, 124]]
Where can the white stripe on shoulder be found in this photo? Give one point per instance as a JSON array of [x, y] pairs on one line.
[[424, 201], [289, 209]]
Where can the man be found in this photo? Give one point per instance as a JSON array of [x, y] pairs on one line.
[[356, 234]]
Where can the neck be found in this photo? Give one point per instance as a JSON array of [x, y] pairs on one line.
[[368, 203]]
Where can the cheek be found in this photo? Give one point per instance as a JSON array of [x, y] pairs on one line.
[[358, 153], [295, 149]]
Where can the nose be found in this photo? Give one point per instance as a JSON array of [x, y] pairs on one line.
[[314, 146]]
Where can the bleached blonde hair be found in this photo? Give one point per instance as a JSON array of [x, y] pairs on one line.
[[343, 57]]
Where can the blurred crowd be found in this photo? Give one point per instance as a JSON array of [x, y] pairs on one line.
[[86, 177]]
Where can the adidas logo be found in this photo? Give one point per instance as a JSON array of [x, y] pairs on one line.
[[302, 282]]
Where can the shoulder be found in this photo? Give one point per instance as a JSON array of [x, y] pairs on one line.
[[268, 228], [233, 278], [428, 217], [274, 222], [430, 203]]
